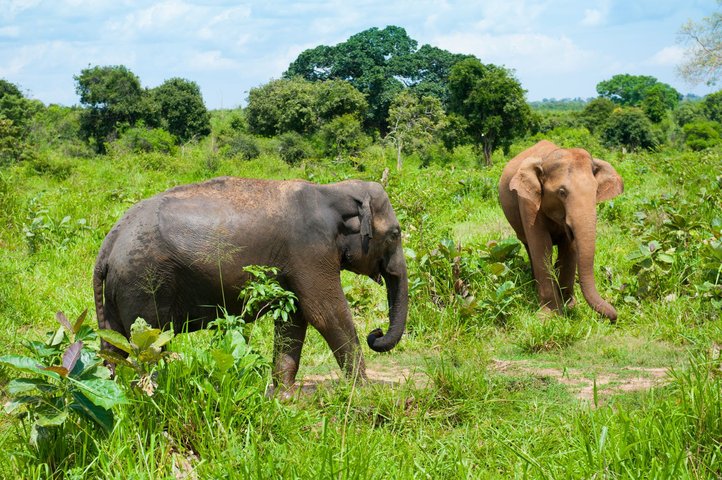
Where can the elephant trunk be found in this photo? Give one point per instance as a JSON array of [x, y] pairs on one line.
[[585, 235], [397, 292]]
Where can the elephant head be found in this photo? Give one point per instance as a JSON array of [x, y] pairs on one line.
[[370, 244], [558, 190]]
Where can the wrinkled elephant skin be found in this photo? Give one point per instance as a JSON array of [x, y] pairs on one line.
[[549, 195], [176, 257]]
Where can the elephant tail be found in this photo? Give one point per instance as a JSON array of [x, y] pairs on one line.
[[100, 273]]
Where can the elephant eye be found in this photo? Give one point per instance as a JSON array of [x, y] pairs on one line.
[[562, 192]]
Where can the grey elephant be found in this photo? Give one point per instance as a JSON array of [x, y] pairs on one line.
[[549, 195], [175, 257]]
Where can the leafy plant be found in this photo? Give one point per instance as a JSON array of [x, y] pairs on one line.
[[65, 383], [144, 349]]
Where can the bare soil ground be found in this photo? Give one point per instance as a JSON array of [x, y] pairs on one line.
[[627, 379], [579, 382]]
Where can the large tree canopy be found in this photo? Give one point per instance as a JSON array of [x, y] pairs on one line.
[[298, 105], [379, 63], [112, 95], [181, 108], [631, 90], [492, 103]]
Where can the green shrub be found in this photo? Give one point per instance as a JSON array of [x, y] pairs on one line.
[[629, 128], [145, 140], [293, 147], [242, 146], [701, 134]]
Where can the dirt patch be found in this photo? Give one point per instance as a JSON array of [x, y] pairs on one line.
[[384, 375], [628, 379]]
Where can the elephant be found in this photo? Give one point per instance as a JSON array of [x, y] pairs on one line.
[[549, 196], [176, 257]]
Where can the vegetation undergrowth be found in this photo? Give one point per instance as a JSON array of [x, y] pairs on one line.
[[448, 408]]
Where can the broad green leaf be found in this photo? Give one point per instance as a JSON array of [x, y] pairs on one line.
[[103, 393], [114, 357], [79, 321], [21, 362], [25, 385], [99, 415], [223, 361], [57, 339], [63, 320], [51, 418], [72, 355], [144, 338], [163, 338], [13, 405], [149, 355], [665, 258], [116, 339]]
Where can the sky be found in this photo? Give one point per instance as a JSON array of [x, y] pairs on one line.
[[556, 48]]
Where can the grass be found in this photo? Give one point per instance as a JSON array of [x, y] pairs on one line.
[[460, 415]]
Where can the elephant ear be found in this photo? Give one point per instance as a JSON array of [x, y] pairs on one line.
[[365, 215], [526, 181], [609, 182], [366, 219]]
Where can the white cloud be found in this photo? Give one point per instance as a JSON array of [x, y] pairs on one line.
[[211, 60], [10, 9], [668, 56], [227, 20], [593, 17], [155, 19], [537, 52]]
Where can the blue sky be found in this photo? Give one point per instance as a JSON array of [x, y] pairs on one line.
[[557, 48]]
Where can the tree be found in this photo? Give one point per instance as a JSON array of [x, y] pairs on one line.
[[343, 135], [689, 112], [629, 128], [704, 56], [16, 113], [491, 101], [298, 105], [284, 105], [701, 134], [380, 64], [181, 109], [712, 106], [14, 106], [112, 95], [631, 90], [413, 122], [596, 113]]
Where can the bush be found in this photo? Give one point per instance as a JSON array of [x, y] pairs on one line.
[[629, 128], [293, 148], [145, 140], [241, 145], [343, 136], [701, 134]]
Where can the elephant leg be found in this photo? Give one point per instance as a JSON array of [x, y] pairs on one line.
[[541, 250], [567, 268], [287, 346], [327, 310]]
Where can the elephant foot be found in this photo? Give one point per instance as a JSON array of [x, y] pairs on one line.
[[545, 313], [283, 393]]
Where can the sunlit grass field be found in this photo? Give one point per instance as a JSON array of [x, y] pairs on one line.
[[481, 385]]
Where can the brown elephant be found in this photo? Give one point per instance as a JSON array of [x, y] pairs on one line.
[[549, 195], [174, 258]]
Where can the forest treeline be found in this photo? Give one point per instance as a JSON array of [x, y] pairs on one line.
[[378, 86]]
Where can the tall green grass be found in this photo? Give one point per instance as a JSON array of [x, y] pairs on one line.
[[471, 301]]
